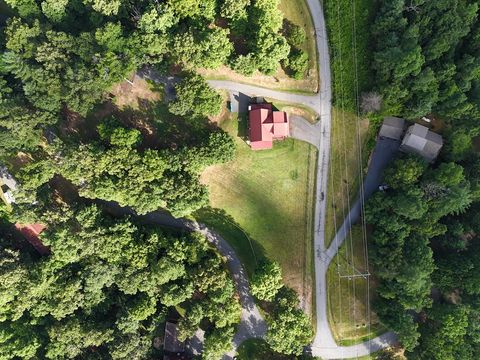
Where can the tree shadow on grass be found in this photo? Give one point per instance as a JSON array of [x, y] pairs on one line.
[[242, 131], [248, 250]]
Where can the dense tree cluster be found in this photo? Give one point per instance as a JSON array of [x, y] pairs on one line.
[[266, 47], [106, 288], [427, 57], [113, 169], [289, 329], [194, 97], [267, 280], [413, 221], [297, 61]]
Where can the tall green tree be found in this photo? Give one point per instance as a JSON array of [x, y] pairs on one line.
[[194, 97]]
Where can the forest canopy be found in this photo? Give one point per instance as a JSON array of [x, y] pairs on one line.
[[106, 287], [106, 283]]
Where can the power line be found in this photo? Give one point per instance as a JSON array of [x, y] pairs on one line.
[[360, 155], [351, 291]]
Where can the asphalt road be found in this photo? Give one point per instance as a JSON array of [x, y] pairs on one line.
[[324, 344], [326, 347], [311, 101]]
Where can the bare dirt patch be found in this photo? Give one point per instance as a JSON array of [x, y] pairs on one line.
[[130, 94]]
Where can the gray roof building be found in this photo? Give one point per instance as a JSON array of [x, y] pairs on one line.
[[422, 141], [392, 128]]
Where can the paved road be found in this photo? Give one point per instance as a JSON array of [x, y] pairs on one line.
[[324, 344], [301, 129], [311, 101], [326, 347], [252, 324], [355, 351]]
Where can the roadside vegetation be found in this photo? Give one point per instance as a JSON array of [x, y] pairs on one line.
[[348, 24], [250, 191], [345, 168]]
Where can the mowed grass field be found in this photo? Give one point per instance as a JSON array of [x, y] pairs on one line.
[[297, 12], [345, 167], [349, 316], [263, 204]]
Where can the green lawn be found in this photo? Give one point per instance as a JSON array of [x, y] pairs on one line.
[[263, 203], [344, 175], [348, 312], [296, 109]]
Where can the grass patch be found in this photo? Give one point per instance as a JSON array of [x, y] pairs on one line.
[[141, 105], [345, 168], [248, 250], [350, 326], [269, 194], [297, 12], [296, 109], [341, 17], [135, 93], [280, 81]]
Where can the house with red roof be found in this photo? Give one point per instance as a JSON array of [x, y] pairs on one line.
[[31, 233], [266, 125]]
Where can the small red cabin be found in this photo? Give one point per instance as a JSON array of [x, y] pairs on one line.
[[31, 234]]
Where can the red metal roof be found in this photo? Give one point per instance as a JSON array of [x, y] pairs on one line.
[[266, 125], [31, 233]]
